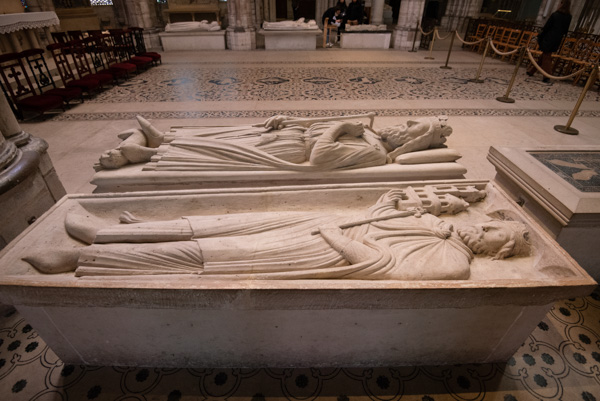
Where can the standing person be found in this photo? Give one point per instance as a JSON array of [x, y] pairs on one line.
[[551, 36], [354, 13]]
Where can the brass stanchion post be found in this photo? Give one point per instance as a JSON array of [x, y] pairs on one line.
[[445, 66], [566, 129], [431, 45], [476, 79], [415, 38], [505, 98]]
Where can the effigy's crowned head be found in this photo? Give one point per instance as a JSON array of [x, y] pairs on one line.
[[435, 127], [500, 239]]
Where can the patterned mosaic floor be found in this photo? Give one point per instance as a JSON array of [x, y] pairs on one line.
[[560, 360], [263, 82]]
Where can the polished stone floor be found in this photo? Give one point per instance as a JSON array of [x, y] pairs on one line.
[[560, 360]]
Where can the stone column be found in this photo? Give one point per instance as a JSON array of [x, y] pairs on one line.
[[14, 42], [411, 11], [29, 184], [377, 12], [241, 32]]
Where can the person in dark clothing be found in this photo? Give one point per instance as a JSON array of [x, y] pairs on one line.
[[332, 13], [334, 16], [551, 37], [354, 13], [341, 4]]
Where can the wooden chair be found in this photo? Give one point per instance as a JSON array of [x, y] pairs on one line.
[[59, 37], [328, 30], [509, 40], [479, 32], [88, 85], [79, 55], [43, 78], [561, 60], [75, 35], [587, 60], [125, 51], [489, 33], [140, 45], [105, 59], [18, 86]]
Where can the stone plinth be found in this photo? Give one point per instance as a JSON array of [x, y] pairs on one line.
[[188, 320], [365, 40], [183, 41], [134, 178], [559, 187], [291, 40]]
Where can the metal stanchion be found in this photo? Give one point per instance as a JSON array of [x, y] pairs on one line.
[[476, 79], [445, 66], [431, 45], [505, 98], [566, 129], [415, 38]]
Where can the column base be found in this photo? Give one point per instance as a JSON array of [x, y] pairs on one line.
[[241, 39], [402, 39]]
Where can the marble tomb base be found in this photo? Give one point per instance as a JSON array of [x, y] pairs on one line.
[[134, 178], [365, 40], [187, 320], [183, 41], [560, 187], [291, 40]]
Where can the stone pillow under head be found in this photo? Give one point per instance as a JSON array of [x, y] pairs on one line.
[[429, 156]]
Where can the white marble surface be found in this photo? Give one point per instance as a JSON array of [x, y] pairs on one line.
[[483, 319]]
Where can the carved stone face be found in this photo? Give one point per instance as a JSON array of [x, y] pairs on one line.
[[486, 238], [113, 159]]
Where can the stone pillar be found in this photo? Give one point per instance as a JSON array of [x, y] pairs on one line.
[[241, 32], [411, 11], [14, 42], [33, 40], [546, 8], [377, 12], [29, 184]]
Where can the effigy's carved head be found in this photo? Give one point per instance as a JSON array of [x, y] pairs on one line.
[[435, 128], [112, 159], [500, 239]]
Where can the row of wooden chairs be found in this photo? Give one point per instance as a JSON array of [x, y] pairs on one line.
[[573, 55], [505, 39], [84, 65]]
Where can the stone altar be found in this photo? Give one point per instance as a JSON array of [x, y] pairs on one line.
[[559, 186], [373, 39], [193, 40], [244, 322], [292, 39], [268, 155]]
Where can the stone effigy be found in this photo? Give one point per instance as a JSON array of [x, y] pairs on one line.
[[193, 26], [299, 24], [400, 237], [280, 150], [281, 143], [225, 309], [366, 28]]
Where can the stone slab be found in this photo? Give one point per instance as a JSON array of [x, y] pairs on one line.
[[559, 186], [365, 40], [291, 40], [134, 178], [192, 321], [183, 41]]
